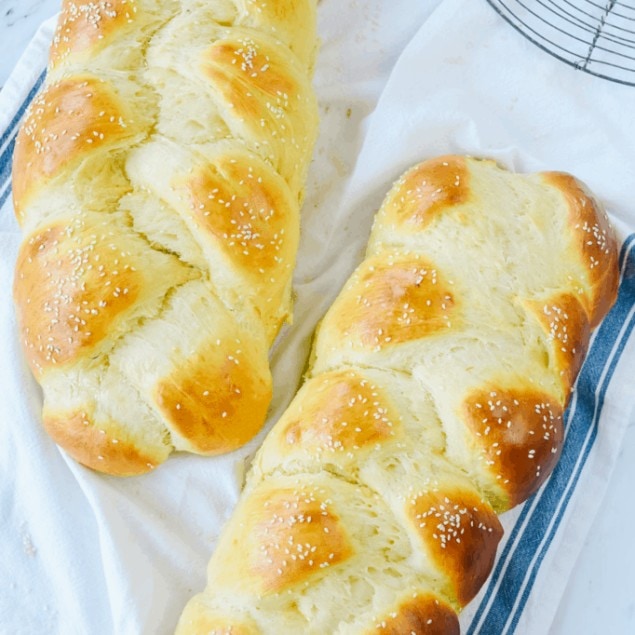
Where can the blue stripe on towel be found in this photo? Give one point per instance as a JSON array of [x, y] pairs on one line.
[[18, 115], [5, 172], [8, 141], [535, 528]]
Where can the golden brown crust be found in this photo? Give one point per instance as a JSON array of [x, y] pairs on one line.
[[426, 190], [264, 96], [96, 447], [460, 532], [422, 614], [519, 432], [217, 399], [342, 412], [287, 537], [88, 24], [69, 291], [595, 242], [65, 122], [567, 330], [246, 211], [77, 280], [232, 66], [393, 299]]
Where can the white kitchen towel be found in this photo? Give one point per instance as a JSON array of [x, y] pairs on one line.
[[397, 82]]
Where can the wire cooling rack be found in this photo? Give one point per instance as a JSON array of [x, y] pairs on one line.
[[595, 36]]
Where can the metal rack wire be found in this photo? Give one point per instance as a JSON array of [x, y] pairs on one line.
[[594, 36]]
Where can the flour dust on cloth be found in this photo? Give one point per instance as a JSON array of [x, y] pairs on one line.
[[397, 82]]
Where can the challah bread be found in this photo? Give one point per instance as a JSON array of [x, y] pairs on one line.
[[158, 179], [434, 401]]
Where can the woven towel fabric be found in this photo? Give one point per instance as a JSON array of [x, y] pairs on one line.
[[84, 553]]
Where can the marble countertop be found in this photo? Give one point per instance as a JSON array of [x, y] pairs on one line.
[[19, 19], [600, 597]]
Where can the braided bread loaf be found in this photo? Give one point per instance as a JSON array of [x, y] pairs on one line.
[[158, 179], [434, 401]]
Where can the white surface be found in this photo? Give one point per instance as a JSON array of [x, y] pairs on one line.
[[433, 103], [600, 596], [19, 20]]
